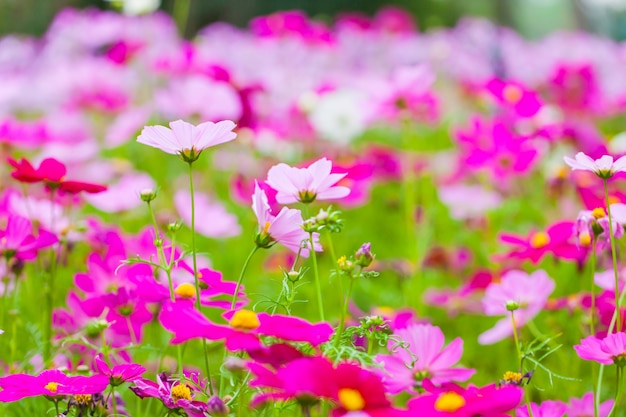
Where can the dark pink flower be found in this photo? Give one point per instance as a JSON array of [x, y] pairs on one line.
[[173, 393], [609, 350], [244, 327], [119, 373], [557, 239], [51, 383], [17, 239], [514, 96]]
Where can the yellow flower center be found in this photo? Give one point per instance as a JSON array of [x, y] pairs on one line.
[[82, 399], [512, 377], [52, 387], [512, 94], [539, 240], [449, 402], [584, 239], [245, 320], [351, 399], [185, 290], [181, 392], [266, 228], [598, 213]]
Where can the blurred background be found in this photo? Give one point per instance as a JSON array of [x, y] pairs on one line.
[[531, 18]]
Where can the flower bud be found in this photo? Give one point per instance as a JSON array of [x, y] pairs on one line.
[[147, 194], [217, 407], [512, 305], [364, 256]]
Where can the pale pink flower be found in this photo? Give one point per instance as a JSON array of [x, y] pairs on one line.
[[607, 351], [604, 167], [285, 228], [306, 184], [529, 291], [212, 219], [186, 140], [424, 357]]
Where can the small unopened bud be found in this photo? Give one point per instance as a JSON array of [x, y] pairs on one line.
[[174, 227], [95, 328], [310, 225], [147, 194], [364, 255], [217, 407], [293, 276], [512, 305], [345, 265]]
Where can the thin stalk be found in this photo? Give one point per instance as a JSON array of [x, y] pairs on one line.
[[344, 311], [240, 279], [618, 392], [593, 286], [181, 14], [614, 256], [113, 401], [47, 351], [318, 286], [195, 271]]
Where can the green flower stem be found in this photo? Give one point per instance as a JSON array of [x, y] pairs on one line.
[[181, 14], [113, 400], [318, 285], [49, 286], [614, 256], [618, 392], [516, 339], [593, 286], [195, 271], [240, 279], [344, 312]]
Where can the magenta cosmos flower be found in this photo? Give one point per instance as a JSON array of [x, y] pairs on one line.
[[556, 239], [454, 401], [530, 292], [244, 329], [604, 167], [306, 184], [424, 357], [174, 394], [18, 241], [186, 140], [285, 228], [514, 96], [354, 391], [119, 373], [51, 383], [545, 409], [607, 351], [584, 407]]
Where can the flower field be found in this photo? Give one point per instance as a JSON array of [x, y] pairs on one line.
[[305, 218]]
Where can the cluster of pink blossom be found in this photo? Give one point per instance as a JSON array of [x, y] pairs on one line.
[[454, 147]]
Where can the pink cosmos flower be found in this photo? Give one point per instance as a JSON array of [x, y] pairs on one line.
[[186, 140], [212, 219], [119, 373], [584, 407], [603, 167], [354, 391], [593, 224], [545, 409], [244, 327], [530, 292], [424, 357], [50, 383], [557, 239], [454, 401], [285, 228], [18, 241], [514, 96], [173, 393], [607, 351], [306, 184]]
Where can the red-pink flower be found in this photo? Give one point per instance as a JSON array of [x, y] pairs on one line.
[[52, 173], [424, 357], [51, 383], [285, 228], [557, 239], [186, 140], [607, 351], [306, 184]]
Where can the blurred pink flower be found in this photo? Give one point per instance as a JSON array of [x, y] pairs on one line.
[[529, 291], [557, 239], [583, 407], [50, 383], [424, 357], [285, 228], [607, 351], [603, 167], [513, 95], [212, 219], [17, 240], [306, 184], [186, 140], [545, 409]]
